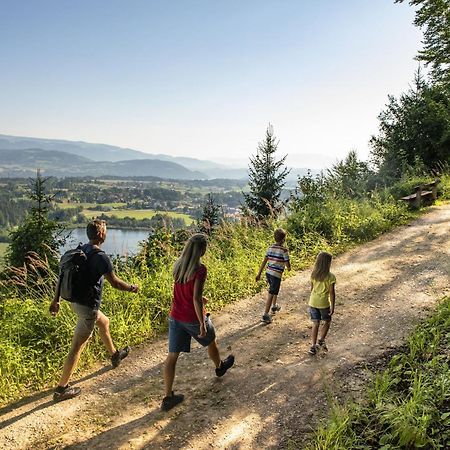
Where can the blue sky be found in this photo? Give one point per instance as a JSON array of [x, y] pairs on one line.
[[204, 78]]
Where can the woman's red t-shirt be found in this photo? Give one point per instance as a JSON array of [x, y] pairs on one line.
[[183, 298]]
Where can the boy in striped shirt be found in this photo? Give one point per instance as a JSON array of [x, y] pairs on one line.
[[277, 258]]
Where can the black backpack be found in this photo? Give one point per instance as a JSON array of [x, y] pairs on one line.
[[75, 280]]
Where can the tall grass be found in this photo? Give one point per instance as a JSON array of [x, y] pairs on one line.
[[33, 344], [407, 405]]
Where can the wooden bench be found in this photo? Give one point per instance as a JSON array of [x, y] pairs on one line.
[[425, 193]]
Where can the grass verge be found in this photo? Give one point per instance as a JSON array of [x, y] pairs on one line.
[[408, 405]]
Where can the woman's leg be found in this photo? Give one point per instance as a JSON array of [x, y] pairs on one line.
[[169, 372], [213, 353]]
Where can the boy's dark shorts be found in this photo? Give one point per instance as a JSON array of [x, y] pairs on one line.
[[180, 334], [274, 284], [318, 314]]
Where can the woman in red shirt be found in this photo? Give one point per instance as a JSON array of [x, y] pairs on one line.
[[187, 317]]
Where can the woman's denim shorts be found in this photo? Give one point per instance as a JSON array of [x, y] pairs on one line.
[[180, 334]]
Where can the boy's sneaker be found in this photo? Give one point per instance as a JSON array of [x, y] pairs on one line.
[[225, 365], [65, 393], [172, 400], [322, 345], [119, 355], [313, 350], [266, 318], [275, 308]]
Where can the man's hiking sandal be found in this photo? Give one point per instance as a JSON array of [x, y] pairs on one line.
[[225, 365], [171, 401], [266, 318], [313, 350], [119, 355], [323, 345], [65, 393], [275, 308]]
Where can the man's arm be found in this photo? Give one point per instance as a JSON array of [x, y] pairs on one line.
[[263, 265], [119, 284], [198, 305], [54, 305]]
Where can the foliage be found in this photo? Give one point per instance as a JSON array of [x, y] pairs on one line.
[[406, 405], [37, 234], [349, 177], [434, 17], [325, 206], [211, 214], [266, 179], [414, 132]]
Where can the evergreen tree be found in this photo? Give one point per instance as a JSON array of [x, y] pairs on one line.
[[349, 177], [414, 131], [433, 16], [210, 215], [266, 179], [37, 234]]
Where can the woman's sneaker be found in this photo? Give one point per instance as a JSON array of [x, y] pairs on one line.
[[225, 365], [313, 350], [172, 400], [275, 308], [266, 318], [119, 355], [65, 393]]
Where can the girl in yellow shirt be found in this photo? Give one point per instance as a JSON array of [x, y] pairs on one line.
[[321, 300]]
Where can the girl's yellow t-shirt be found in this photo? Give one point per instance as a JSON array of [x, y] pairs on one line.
[[320, 293]]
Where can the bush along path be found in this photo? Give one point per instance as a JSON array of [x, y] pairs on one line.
[[276, 393]]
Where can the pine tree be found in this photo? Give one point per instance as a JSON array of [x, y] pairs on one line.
[[37, 234], [433, 16], [266, 179], [210, 215]]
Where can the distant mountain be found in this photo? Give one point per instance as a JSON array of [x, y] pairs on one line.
[[107, 158], [96, 152], [23, 163]]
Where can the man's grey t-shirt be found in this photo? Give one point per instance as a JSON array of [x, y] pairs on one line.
[[99, 264]]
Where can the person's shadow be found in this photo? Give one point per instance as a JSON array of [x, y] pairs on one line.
[[39, 396]]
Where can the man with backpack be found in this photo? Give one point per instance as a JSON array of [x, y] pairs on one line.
[[81, 282]]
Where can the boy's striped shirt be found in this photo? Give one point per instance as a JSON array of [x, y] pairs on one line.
[[277, 257]]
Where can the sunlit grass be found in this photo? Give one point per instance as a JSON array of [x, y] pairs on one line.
[[137, 214], [407, 405]]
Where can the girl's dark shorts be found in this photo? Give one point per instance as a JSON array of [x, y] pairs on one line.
[[274, 284], [318, 314], [180, 334]]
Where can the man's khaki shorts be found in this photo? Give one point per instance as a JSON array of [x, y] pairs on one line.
[[87, 317]]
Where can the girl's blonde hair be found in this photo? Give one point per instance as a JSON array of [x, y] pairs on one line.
[[189, 261], [322, 266]]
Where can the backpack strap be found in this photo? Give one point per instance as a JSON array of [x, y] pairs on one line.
[[93, 252]]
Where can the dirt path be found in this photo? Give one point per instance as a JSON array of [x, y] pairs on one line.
[[275, 393]]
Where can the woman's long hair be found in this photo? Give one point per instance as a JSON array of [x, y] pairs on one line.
[[189, 261], [322, 266]]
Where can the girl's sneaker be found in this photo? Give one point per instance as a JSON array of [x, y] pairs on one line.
[[313, 350]]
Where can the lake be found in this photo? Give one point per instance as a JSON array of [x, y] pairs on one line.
[[118, 241]]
